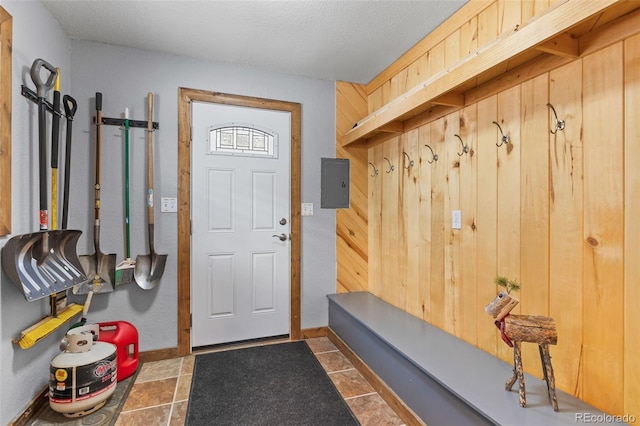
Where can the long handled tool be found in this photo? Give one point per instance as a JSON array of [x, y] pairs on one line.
[[149, 269], [55, 137], [85, 309], [54, 155], [125, 269], [99, 267], [70, 107], [45, 262], [83, 321]]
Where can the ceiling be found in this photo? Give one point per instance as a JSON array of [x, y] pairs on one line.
[[348, 40]]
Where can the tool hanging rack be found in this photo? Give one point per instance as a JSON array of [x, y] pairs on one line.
[[33, 97], [132, 123]]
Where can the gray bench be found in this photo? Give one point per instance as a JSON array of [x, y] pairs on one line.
[[443, 379]]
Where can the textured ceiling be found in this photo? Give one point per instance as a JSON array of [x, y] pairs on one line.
[[349, 40]]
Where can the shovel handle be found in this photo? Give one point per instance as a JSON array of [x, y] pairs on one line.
[[98, 147], [70, 107], [55, 139], [96, 184], [87, 303], [43, 87], [150, 159], [55, 122]]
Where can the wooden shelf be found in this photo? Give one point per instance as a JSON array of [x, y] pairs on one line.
[[548, 33]]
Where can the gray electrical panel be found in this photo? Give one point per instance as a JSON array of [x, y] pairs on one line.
[[335, 183]]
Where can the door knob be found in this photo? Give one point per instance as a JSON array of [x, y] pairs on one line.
[[283, 221], [281, 237]]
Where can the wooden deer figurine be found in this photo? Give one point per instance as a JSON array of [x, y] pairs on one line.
[[515, 329]]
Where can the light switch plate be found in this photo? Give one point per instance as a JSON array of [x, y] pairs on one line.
[[307, 209], [456, 219], [168, 205]]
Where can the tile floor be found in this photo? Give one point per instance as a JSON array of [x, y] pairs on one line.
[[161, 391]]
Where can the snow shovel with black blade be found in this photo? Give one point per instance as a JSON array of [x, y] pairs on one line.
[[99, 267], [46, 262], [149, 268]]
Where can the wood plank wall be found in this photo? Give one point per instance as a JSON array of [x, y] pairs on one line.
[[352, 224], [560, 212], [631, 296], [474, 25]]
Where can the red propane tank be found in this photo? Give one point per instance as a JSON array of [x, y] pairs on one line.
[[125, 336]]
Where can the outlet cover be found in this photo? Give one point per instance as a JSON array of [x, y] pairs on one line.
[[307, 209]]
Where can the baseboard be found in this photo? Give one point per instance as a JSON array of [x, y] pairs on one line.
[[158, 355], [407, 415], [168, 353], [34, 406], [311, 333]]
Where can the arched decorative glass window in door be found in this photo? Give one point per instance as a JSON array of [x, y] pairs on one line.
[[245, 140]]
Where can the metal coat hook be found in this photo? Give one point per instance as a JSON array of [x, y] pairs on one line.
[[559, 123], [375, 169], [465, 148], [391, 167], [410, 160], [505, 138], [434, 156]]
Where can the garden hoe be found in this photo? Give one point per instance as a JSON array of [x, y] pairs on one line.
[[149, 269], [45, 262], [99, 267]]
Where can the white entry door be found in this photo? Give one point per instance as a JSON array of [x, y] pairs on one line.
[[240, 260]]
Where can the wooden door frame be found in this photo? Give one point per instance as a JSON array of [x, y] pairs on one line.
[[185, 97], [6, 37]]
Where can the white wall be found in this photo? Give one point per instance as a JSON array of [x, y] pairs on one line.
[[124, 76], [23, 373]]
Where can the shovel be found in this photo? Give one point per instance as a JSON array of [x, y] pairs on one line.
[[149, 269], [99, 267], [46, 262]]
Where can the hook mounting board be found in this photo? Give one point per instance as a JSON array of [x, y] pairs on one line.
[[132, 123]]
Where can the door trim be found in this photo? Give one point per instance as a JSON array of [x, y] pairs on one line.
[[185, 97]]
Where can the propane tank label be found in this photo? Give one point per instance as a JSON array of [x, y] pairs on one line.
[[61, 375], [90, 380]]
